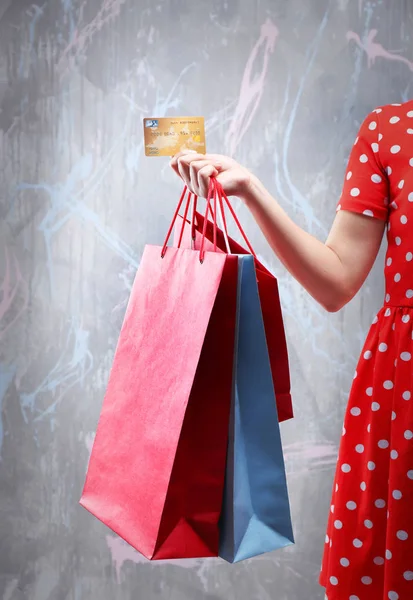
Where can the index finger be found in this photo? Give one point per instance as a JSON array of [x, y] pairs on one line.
[[184, 153]]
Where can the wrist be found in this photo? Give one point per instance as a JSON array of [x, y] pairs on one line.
[[250, 189]]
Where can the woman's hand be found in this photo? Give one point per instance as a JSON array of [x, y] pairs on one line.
[[197, 169]]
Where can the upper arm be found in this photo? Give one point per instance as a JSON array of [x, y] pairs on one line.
[[363, 208], [356, 240]]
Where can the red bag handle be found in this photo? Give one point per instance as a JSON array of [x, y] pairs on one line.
[[217, 194], [189, 196], [211, 191], [223, 197], [178, 208]]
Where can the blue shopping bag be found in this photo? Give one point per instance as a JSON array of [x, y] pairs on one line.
[[256, 512]]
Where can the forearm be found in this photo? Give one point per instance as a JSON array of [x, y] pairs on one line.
[[315, 265]]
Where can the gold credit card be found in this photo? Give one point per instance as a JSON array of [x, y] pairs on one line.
[[166, 136]]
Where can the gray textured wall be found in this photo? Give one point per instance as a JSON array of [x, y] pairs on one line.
[[284, 86]]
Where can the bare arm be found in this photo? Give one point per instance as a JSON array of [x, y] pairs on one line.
[[332, 272]]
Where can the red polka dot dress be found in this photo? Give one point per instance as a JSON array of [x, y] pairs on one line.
[[369, 543]]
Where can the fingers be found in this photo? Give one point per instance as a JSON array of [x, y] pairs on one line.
[[195, 168], [184, 168], [195, 171], [204, 177], [175, 159]]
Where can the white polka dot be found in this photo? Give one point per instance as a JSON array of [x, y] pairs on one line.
[[369, 391], [403, 219], [363, 486], [327, 539], [372, 125], [406, 395], [406, 356], [394, 454], [383, 444], [355, 411], [336, 487], [338, 524], [368, 354], [406, 318], [368, 213], [409, 294], [333, 580], [408, 434], [366, 580], [375, 320], [398, 240], [410, 131], [364, 158], [395, 149], [354, 598], [410, 197], [380, 503], [387, 312], [389, 170], [356, 140], [393, 416], [410, 113], [376, 110], [408, 575], [395, 206], [355, 192], [346, 468], [368, 428], [332, 509], [402, 535], [387, 297], [410, 474], [389, 555], [351, 505], [379, 560], [349, 175], [357, 543], [394, 120], [376, 178], [393, 596], [397, 495], [388, 385], [382, 347], [344, 562], [375, 406], [371, 465], [409, 256], [397, 277], [401, 184], [360, 448], [368, 524], [375, 147]]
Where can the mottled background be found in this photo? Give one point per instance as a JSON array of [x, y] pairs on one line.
[[284, 86]]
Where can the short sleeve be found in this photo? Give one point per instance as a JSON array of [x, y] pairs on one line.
[[366, 186]]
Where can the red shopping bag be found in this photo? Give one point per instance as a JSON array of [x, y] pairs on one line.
[[189, 233], [157, 467]]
